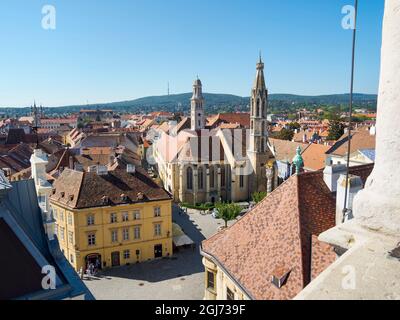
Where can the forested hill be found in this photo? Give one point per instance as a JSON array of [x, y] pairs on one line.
[[215, 103]]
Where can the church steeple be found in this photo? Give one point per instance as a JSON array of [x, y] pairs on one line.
[[258, 111], [197, 110]]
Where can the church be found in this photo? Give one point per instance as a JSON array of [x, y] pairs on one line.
[[202, 165]]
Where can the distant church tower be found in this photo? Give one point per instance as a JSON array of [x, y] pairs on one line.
[[259, 152], [197, 110]]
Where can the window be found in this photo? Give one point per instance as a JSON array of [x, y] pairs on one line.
[[157, 229], [200, 182], [210, 280], [42, 199], [229, 294], [157, 212], [241, 181], [136, 215], [114, 236], [71, 258], [61, 216], [90, 220], [127, 254], [113, 218], [189, 178], [55, 214], [91, 239], [70, 237], [70, 219], [125, 216], [212, 177], [62, 233], [125, 234], [137, 232], [223, 177]]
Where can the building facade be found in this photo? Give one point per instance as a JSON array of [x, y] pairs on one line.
[[111, 218]]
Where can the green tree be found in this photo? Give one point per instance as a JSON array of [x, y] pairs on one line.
[[228, 211], [285, 134], [258, 196], [294, 126], [336, 130]]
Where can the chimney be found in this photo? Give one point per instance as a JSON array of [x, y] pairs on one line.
[[111, 159], [102, 170], [130, 168], [372, 131], [332, 174], [355, 185]]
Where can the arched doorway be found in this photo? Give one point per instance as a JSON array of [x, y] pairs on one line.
[[95, 259]]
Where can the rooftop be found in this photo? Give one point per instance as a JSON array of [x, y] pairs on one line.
[[81, 190]]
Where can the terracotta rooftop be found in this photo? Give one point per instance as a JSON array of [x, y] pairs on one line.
[[80, 190], [280, 235], [314, 156], [243, 119], [286, 150], [360, 139]]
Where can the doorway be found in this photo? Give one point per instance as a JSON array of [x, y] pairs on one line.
[[115, 259], [158, 249]]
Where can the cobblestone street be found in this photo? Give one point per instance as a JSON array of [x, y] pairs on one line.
[[178, 278]]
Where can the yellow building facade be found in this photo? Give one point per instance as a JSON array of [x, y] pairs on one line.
[[114, 235], [218, 285]]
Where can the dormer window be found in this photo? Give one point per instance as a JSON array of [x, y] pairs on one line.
[[280, 277], [62, 194], [140, 196]]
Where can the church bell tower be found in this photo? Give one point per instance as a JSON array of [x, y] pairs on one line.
[[197, 110], [259, 152]]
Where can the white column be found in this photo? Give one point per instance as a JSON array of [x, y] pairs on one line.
[[377, 207]]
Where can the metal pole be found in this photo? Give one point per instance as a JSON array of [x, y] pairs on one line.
[[350, 110]]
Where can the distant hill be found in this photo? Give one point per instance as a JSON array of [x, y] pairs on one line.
[[213, 103]]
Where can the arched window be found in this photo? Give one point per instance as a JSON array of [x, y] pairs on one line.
[[258, 108], [212, 177], [223, 176], [200, 178], [189, 178]]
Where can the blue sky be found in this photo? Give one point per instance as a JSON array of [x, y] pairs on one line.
[[104, 51]]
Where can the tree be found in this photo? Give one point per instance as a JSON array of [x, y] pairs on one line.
[[285, 134], [336, 130], [294, 126], [258, 196], [228, 211]]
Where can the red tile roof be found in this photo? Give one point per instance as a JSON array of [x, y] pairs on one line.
[[279, 234], [80, 190]]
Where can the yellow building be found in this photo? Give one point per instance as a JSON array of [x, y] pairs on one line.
[[111, 218]]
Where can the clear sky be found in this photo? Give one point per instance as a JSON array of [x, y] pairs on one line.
[[105, 51]]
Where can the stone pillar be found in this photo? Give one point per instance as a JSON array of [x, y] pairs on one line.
[[218, 183], [233, 183], [207, 186], [181, 169], [377, 207], [195, 183]]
